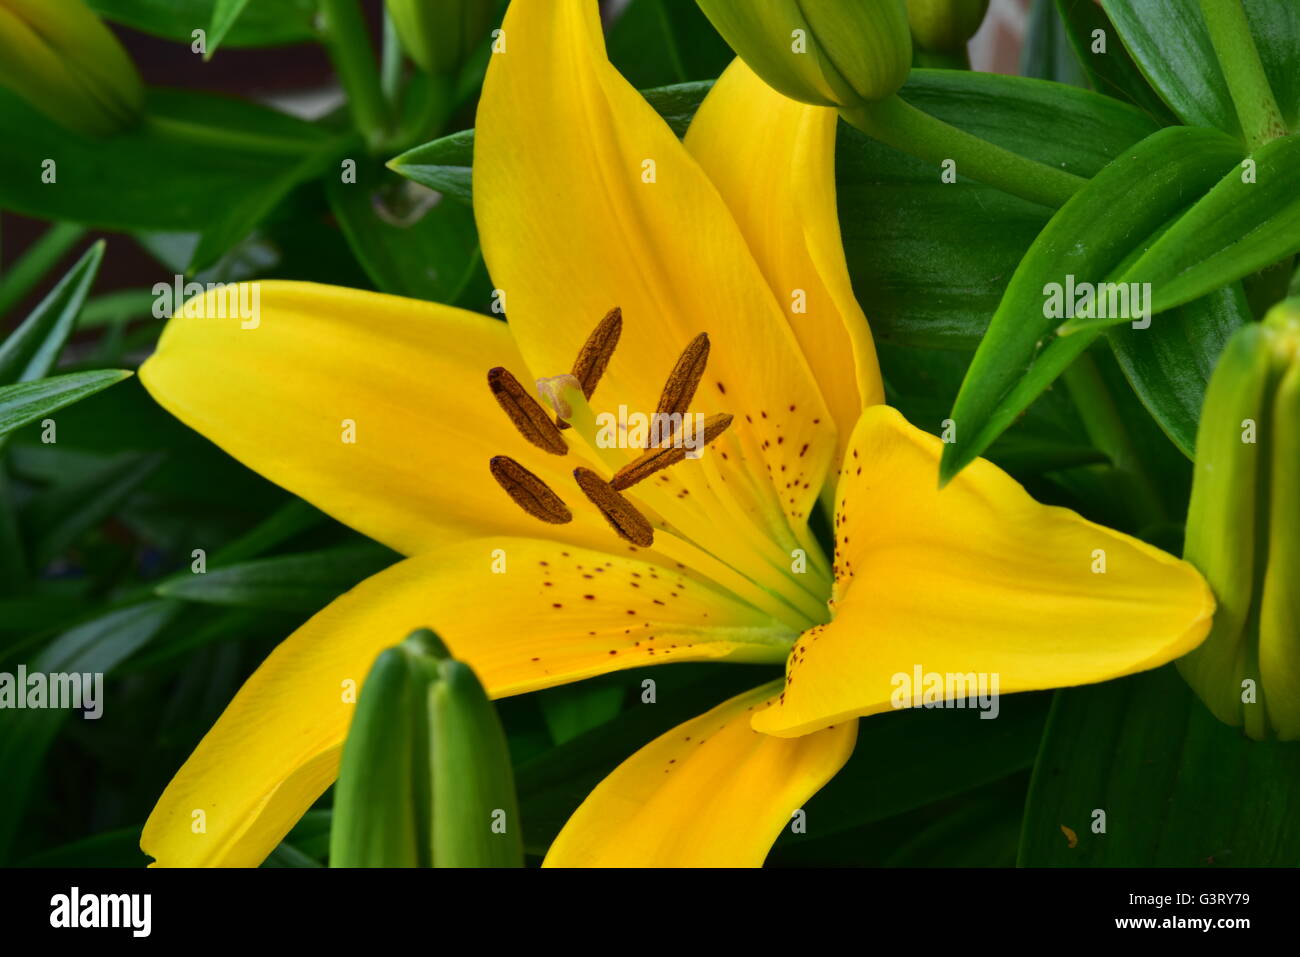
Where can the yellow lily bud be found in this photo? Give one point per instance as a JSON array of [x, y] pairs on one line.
[[945, 26], [59, 57], [841, 53], [439, 34], [1243, 530]]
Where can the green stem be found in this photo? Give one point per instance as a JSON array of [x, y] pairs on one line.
[[1105, 427], [1261, 120], [897, 123], [39, 259], [226, 137], [348, 42], [390, 63]]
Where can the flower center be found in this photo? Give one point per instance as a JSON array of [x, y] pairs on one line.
[[703, 526], [668, 446]]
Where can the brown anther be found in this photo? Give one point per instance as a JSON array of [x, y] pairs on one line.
[[596, 351], [529, 492], [685, 377], [595, 354], [653, 460], [622, 515], [528, 415]]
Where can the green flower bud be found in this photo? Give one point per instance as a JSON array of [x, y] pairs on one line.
[[1243, 530], [60, 58], [425, 779], [945, 26], [840, 53], [440, 34]]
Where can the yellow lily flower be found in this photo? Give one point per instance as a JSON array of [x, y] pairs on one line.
[[586, 201]]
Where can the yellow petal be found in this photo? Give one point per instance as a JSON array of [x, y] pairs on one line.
[[712, 792], [585, 200], [516, 609], [319, 365], [977, 578], [773, 159]]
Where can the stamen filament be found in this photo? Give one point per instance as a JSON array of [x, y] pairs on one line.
[[712, 571], [760, 571], [778, 557]]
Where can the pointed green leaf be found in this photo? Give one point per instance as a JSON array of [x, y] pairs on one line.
[[224, 15], [931, 754], [26, 402], [552, 784], [280, 526], [570, 710], [410, 241], [197, 163], [295, 583], [13, 556], [1045, 53], [117, 307], [657, 42], [265, 23], [1109, 68], [1019, 356], [1169, 364], [1236, 229], [443, 164], [98, 645], [117, 848], [31, 350], [1176, 787], [1171, 45], [926, 267], [1276, 28], [39, 258], [56, 519]]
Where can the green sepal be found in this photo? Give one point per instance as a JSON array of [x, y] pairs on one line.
[[377, 822], [1243, 530], [476, 823], [1222, 535], [1279, 613]]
